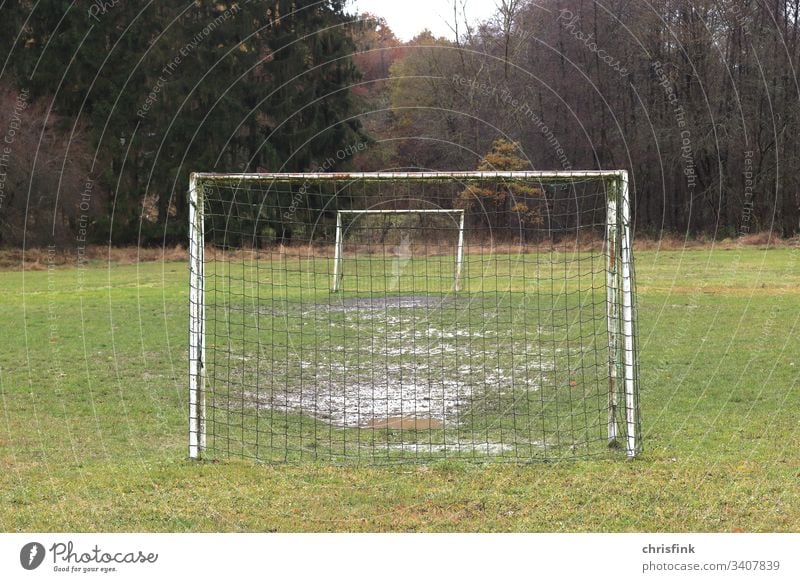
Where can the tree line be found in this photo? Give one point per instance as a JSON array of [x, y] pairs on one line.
[[697, 99], [131, 97], [108, 108]]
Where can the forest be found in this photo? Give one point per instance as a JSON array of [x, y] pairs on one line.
[[106, 107]]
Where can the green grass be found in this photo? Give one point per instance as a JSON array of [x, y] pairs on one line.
[[94, 398]]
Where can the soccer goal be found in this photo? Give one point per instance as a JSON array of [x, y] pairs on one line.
[[361, 229], [407, 317]]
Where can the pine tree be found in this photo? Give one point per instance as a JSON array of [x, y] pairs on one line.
[[506, 204], [167, 89]]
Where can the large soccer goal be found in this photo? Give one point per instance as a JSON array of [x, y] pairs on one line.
[[396, 317]]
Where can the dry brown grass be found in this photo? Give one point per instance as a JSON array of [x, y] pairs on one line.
[[38, 259], [673, 242]]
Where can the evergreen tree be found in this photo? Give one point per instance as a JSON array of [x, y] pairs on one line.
[[167, 88], [506, 204]]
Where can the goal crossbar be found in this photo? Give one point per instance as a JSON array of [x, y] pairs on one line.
[[543, 176], [406, 211]]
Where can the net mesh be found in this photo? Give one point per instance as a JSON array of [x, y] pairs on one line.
[[392, 320]]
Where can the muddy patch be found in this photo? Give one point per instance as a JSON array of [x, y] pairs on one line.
[[396, 302], [402, 363], [344, 400]]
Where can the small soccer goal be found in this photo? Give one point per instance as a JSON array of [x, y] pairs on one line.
[[408, 317], [399, 231]]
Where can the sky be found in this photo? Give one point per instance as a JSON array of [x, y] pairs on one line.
[[407, 18]]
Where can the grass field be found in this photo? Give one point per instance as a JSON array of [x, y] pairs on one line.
[[94, 399]]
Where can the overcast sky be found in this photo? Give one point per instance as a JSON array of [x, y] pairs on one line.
[[407, 18]]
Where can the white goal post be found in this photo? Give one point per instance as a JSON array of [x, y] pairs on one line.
[[615, 265], [338, 256]]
